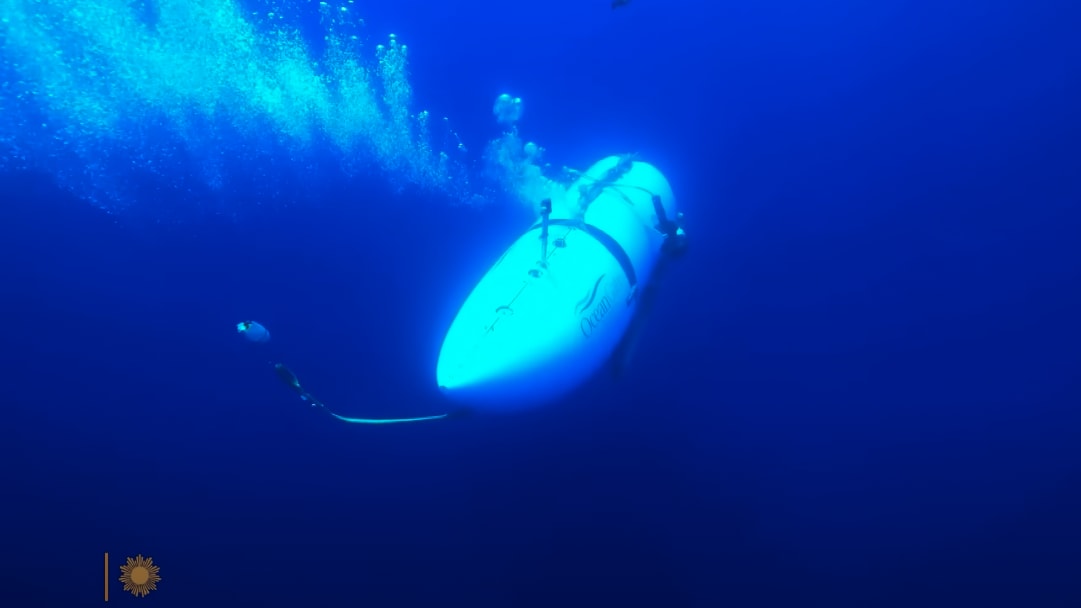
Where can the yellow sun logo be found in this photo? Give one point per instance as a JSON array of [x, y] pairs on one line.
[[139, 575]]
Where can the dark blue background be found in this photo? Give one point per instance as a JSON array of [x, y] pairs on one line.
[[859, 389]]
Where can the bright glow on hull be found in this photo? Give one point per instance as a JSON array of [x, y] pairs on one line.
[[531, 332]]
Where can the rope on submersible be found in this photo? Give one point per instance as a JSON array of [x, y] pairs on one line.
[[290, 379]]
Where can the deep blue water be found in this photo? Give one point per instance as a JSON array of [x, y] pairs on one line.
[[859, 388]]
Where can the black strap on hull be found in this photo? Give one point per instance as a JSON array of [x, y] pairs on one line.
[[607, 242]]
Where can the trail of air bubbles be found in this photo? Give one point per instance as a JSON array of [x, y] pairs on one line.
[[119, 98]]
